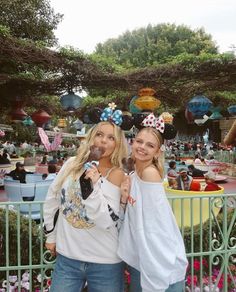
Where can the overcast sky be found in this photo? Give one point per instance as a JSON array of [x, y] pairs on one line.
[[88, 22]]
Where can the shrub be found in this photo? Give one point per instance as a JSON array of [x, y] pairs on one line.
[[216, 231], [23, 239]]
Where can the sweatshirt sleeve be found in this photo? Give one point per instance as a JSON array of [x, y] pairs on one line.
[[101, 209], [157, 239], [51, 205]]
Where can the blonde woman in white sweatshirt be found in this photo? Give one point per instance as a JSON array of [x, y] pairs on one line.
[[85, 237]]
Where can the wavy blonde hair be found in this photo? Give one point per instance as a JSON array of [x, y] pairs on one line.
[[76, 166], [157, 162]]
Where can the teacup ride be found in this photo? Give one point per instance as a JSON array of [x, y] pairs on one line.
[[216, 168], [194, 207], [41, 168], [15, 160], [28, 163], [4, 169]]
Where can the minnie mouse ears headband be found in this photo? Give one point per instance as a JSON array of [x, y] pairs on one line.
[[154, 122], [112, 115], [167, 131], [109, 114], [126, 122]]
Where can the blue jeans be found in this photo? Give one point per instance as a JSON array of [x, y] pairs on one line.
[[135, 285], [71, 275]]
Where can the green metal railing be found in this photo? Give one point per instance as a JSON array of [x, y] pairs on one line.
[[24, 262], [207, 224]]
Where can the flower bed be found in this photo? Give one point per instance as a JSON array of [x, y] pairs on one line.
[[198, 277], [24, 283]]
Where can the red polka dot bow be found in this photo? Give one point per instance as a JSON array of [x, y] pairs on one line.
[[152, 121]]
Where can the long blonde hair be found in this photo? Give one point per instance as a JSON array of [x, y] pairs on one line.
[[157, 162], [76, 166]]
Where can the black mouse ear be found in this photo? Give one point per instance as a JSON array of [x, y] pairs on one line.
[[138, 119], [127, 122], [94, 115], [169, 132]]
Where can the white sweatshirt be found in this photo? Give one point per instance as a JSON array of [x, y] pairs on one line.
[[150, 240], [85, 229]]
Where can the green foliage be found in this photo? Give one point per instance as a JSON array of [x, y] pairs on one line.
[[30, 19], [164, 48], [90, 101], [23, 133], [102, 98], [26, 153], [25, 235], [222, 98], [4, 31], [164, 107], [216, 231], [51, 103], [70, 52], [106, 63], [156, 44], [191, 60]]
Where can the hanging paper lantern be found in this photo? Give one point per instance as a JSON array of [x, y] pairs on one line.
[[70, 102], [147, 100], [167, 117], [28, 121], [216, 115], [199, 105], [61, 123], [18, 115], [146, 91], [147, 103], [132, 108], [232, 110], [40, 117]]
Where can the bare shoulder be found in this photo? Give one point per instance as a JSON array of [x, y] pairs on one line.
[[116, 176], [151, 174]]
